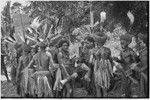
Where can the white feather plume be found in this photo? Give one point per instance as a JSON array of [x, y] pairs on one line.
[[103, 16], [131, 17], [36, 23]]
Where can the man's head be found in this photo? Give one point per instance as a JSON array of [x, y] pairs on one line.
[[100, 38], [125, 40], [26, 49], [17, 46], [143, 39], [64, 44], [42, 45], [34, 50], [89, 42]]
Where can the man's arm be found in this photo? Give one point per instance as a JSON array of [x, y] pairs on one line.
[[19, 68], [31, 63], [61, 63], [91, 61], [143, 68], [51, 62], [110, 57], [121, 60], [88, 71], [144, 61], [134, 56]]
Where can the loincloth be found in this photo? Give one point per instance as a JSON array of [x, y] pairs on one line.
[[43, 86]]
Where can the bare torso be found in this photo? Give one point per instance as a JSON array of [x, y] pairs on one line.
[[42, 61]]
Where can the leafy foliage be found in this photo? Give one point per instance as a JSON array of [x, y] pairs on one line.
[[6, 19], [139, 10], [64, 17]]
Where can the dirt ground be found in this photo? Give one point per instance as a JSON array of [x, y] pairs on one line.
[[9, 90]]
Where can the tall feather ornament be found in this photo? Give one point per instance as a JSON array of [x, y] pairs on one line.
[[131, 17], [103, 16]]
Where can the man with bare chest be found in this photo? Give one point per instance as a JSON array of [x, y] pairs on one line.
[[3, 66], [128, 57], [68, 69], [20, 73], [85, 55], [143, 66], [43, 64]]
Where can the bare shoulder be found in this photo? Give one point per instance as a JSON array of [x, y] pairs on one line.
[[35, 56], [132, 51], [48, 54], [60, 54], [21, 58]]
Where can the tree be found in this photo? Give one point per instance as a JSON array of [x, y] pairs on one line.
[[66, 15], [69, 15], [6, 19], [139, 10]]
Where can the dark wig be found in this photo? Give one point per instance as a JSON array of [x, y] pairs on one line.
[[90, 39], [61, 42]]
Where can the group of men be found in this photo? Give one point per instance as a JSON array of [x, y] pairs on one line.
[[48, 71]]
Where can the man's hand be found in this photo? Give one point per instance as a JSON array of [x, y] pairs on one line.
[[134, 67], [74, 75], [119, 67], [87, 78]]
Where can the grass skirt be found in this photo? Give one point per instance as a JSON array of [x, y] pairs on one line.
[[103, 71], [43, 84]]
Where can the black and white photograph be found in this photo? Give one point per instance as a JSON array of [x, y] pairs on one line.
[[74, 49]]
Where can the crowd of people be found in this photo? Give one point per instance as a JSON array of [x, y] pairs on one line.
[[49, 71]]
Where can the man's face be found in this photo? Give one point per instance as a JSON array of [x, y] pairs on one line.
[[99, 43], [88, 44], [124, 44], [3, 47], [140, 44], [14, 53], [33, 51], [65, 46]]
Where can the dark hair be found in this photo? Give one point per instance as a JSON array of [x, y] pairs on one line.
[[35, 49], [82, 43], [61, 42], [42, 45], [26, 48], [90, 39]]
